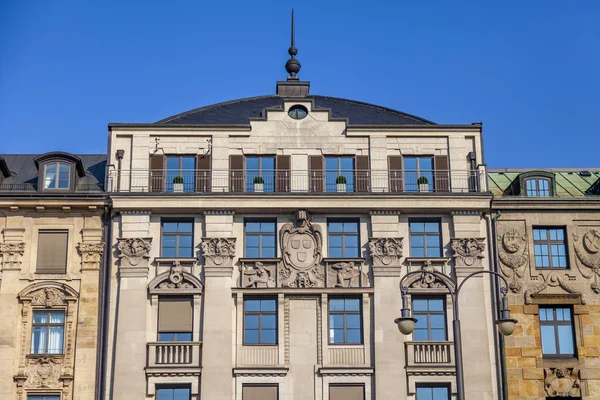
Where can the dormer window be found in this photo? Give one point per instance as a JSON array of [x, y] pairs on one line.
[[57, 175], [537, 187], [533, 184]]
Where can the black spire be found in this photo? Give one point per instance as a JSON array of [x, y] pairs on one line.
[[292, 66]]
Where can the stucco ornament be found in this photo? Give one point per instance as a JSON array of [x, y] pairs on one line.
[[90, 254], [426, 280], [134, 250], [513, 257], [552, 280], [587, 248], [258, 276], [346, 275], [468, 252], [302, 249], [11, 254], [385, 251], [562, 382], [48, 297], [43, 373], [218, 250], [176, 278]]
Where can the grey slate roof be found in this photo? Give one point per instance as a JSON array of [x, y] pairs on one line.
[[237, 112], [24, 174]]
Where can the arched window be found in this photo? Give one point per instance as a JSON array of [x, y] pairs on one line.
[[57, 175], [537, 187]]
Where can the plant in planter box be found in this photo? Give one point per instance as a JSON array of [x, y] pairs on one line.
[[259, 184], [178, 184], [423, 184], [341, 183]]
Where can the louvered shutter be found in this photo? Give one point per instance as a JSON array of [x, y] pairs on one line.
[[52, 252], [203, 173], [362, 183], [236, 173], [442, 173], [315, 173], [395, 183], [282, 174], [157, 172]]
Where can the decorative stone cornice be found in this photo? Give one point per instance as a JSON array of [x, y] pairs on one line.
[[11, 255], [384, 212], [218, 256], [219, 212], [134, 254], [91, 254], [468, 252], [553, 280], [466, 212], [136, 212], [562, 382], [386, 254]]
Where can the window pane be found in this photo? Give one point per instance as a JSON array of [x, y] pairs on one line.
[[252, 305], [181, 394], [420, 334], [338, 335], [565, 339], [436, 304], [252, 226], [185, 241], [436, 321], [347, 163], [251, 336], [336, 305], [335, 241], [331, 163], [432, 227], [352, 241], [350, 227], [268, 305], [268, 322], [267, 227], [57, 317], [50, 178], [420, 305], [417, 227], [252, 252], [268, 252], [424, 393], [548, 340], [335, 227], [440, 393], [268, 241], [335, 252], [336, 321], [40, 317], [352, 304], [434, 252], [410, 163], [421, 321], [353, 321], [251, 322], [417, 252], [269, 336], [417, 241], [38, 340], [353, 336], [438, 334]]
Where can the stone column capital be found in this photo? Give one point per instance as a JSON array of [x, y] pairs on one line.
[[468, 252], [133, 255], [386, 253], [218, 256]]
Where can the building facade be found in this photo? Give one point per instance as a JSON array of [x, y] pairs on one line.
[[548, 238], [51, 247]]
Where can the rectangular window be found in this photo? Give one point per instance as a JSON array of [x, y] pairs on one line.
[[425, 239], [431, 319], [346, 392], [173, 393], [177, 239], [48, 331], [52, 252], [345, 325], [174, 319], [259, 392], [260, 170], [538, 187], [339, 170], [556, 326], [181, 174], [343, 239], [437, 392], [260, 321], [415, 168], [550, 248], [43, 397], [260, 239]]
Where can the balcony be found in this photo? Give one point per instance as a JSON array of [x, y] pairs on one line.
[[173, 358], [321, 181], [428, 355]]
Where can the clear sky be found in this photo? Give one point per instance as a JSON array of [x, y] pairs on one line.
[[529, 70]]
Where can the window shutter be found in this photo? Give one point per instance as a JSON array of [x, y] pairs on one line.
[[236, 173], [396, 175], [354, 392], [442, 173], [315, 174], [259, 392], [282, 175], [157, 172], [362, 174], [203, 173], [52, 252], [174, 314]]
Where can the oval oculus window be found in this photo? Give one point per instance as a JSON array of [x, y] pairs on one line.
[[298, 112]]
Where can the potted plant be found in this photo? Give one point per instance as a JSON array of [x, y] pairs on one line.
[[178, 184], [423, 184], [259, 184], [341, 183]]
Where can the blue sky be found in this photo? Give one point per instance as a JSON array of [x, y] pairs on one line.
[[529, 70]]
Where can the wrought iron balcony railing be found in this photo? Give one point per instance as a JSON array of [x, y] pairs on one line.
[[274, 181]]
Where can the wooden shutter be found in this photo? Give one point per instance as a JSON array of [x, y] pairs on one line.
[[349, 392], [396, 175], [236, 173], [52, 252], [157, 172], [251, 392], [174, 314], [442, 173], [362, 183], [315, 173], [282, 174], [203, 173]]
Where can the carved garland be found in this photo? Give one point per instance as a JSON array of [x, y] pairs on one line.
[[468, 252], [587, 249], [513, 257], [552, 280], [134, 250], [385, 251]]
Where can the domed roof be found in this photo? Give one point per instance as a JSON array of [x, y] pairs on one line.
[[238, 112]]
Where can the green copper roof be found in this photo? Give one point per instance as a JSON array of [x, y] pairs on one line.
[[569, 183]]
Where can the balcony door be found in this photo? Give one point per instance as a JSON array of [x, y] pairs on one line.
[[180, 174]]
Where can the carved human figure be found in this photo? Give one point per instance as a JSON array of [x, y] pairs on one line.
[[347, 274], [258, 276]]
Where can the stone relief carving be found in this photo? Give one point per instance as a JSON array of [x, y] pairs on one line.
[[587, 249], [11, 254], [134, 250], [562, 382], [90, 254], [176, 279], [48, 297], [346, 275], [425, 280], [43, 373], [552, 280], [258, 276], [468, 252], [513, 257], [385, 251], [302, 249], [218, 250]]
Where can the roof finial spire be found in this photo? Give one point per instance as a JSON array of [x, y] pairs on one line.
[[292, 66]]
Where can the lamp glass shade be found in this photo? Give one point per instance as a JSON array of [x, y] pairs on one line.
[[506, 326], [406, 325]]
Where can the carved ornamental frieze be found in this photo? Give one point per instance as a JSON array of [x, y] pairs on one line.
[[11, 254], [91, 254], [258, 275], [426, 280], [385, 252], [132, 251], [468, 252], [553, 279], [562, 382], [218, 255], [302, 249], [514, 257], [347, 274], [43, 373], [587, 249], [48, 297]]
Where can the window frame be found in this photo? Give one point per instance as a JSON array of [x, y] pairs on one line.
[[173, 387], [293, 112], [538, 191], [56, 180], [260, 236], [548, 243], [555, 323], [175, 333], [176, 235], [430, 173], [425, 235], [268, 183], [432, 385], [343, 235], [43, 396], [345, 313], [428, 313], [188, 187], [47, 327], [260, 314], [349, 174]]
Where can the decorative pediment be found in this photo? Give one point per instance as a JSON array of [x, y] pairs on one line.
[[48, 294], [426, 279], [562, 382], [175, 281]]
